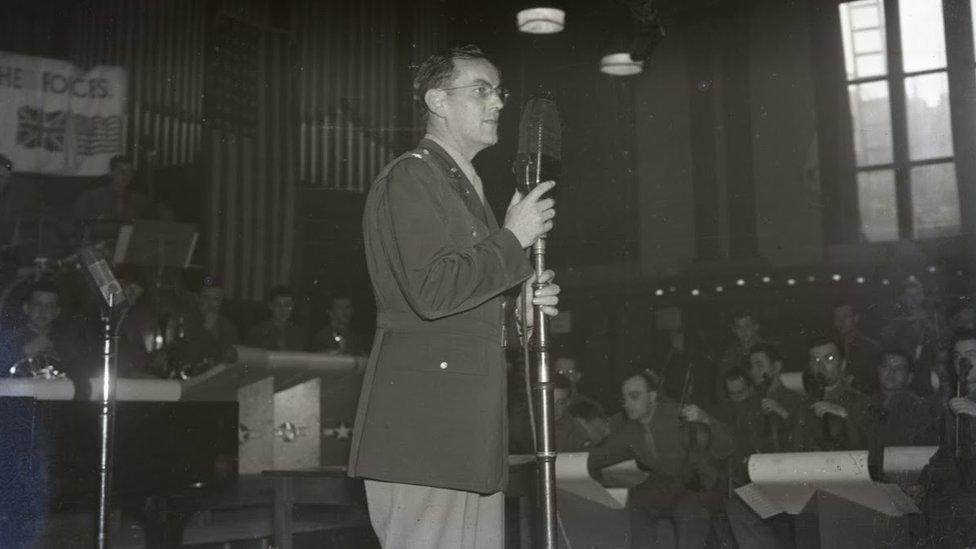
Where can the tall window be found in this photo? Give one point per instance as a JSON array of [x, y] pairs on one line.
[[898, 91]]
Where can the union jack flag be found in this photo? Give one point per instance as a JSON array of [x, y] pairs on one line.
[[38, 128]]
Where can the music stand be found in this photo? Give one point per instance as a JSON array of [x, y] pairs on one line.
[[156, 243]]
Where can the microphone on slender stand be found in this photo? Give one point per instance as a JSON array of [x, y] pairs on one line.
[[111, 291], [538, 160]]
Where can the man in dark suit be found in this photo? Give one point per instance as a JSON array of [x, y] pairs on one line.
[[430, 434]]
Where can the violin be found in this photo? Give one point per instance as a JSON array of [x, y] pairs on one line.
[[697, 441]]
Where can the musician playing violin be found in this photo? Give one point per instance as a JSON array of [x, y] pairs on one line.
[[678, 485], [779, 405]]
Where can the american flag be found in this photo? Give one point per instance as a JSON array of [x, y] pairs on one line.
[[252, 118], [97, 134]]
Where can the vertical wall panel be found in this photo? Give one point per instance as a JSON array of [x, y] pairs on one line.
[[346, 131], [161, 44]]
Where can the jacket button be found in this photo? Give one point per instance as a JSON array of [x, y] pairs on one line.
[[443, 365], [474, 233]]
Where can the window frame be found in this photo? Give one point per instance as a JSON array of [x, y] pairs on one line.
[[841, 205]]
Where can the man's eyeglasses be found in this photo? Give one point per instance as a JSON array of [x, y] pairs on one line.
[[826, 359], [484, 91]]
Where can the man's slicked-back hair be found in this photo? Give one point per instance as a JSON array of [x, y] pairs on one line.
[[438, 70]]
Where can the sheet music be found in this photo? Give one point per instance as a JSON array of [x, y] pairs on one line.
[[907, 459], [757, 500], [623, 475], [573, 476], [786, 482]]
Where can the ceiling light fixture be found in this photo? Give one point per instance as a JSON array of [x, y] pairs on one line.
[[541, 20]]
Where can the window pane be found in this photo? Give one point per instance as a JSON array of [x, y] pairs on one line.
[[922, 35], [929, 126], [876, 202], [871, 120], [935, 200], [972, 9], [863, 33]]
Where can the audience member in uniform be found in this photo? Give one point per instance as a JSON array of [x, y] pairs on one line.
[[681, 479], [279, 333]]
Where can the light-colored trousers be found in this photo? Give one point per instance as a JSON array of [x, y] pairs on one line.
[[406, 516]]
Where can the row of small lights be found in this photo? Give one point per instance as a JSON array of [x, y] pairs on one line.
[[741, 282], [551, 20]]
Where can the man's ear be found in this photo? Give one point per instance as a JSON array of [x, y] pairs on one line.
[[434, 99], [777, 367]]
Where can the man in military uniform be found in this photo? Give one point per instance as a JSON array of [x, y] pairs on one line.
[[906, 419], [947, 485], [430, 436], [779, 405], [568, 434], [837, 416], [862, 352], [280, 332], [685, 476]]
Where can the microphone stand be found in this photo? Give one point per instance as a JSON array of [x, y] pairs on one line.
[[545, 452], [106, 422]]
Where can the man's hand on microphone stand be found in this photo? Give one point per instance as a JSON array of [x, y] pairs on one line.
[[962, 406], [530, 217]]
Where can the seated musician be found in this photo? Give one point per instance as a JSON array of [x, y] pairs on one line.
[[100, 212], [210, 336], [592, 419], [755, 412], [947, 486], [835, 416], [779, 405], [906, 419], [279, 333], [568, 434], [566, 366], [741, 413], [338, 336], [44, 342], [683, 477]]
